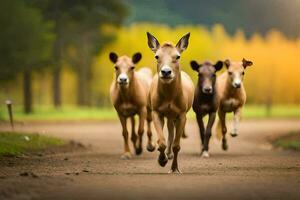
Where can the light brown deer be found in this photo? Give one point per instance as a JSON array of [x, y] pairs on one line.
[[171, 96], [232, 96], [129, 91]]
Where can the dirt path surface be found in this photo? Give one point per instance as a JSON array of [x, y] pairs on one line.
[[250, 169]]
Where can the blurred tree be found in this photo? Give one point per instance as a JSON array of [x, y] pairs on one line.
[[255, 16], [25, 42], [77, 26]]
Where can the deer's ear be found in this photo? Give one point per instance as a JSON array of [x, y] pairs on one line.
[[227, 63], [183, 43], [153, 43], [195, 66], [136, 57], [218, 66], [113, 57], [246, 63]]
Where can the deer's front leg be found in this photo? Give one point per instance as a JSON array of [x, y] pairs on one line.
[[150, 145], [170, 124], [236, 120], [211, 120], [126, 154], [222, 118], [133, 133], [139, 144], [201, 130], [158, 121], [180, 124]]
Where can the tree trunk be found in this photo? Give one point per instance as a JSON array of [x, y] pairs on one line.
[[84, 74], [56, 84], [83, 86], [27, 92], [56, 87]]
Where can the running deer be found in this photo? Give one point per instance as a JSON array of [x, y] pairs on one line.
[[232, 96], [206, 99], [129, 91], [171, 96]]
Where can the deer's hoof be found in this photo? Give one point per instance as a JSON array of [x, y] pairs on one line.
[[170, 155], [205, 154], [175, 171], [150, 147], [138, 150], [126, 156], [233, 134], [184, 135], [162, 159], [225, 146]]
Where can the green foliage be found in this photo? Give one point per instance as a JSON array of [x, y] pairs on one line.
[[24, 37], [49, 113], [290, 141], [252, 16], [17, 143]]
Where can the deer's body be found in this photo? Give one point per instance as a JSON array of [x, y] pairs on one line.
[[232, 96], [206, 100], [129, 101], [171, 96], [129, 91]]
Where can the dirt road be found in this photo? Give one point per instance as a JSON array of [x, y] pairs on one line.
[[250, 169]]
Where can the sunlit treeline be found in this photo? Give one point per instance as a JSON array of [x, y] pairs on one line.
[[273, 77]]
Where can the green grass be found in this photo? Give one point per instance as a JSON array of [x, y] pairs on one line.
[[290, 141], [48, 113], [18, 143]]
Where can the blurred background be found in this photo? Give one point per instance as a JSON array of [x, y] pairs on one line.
[[54, 53]]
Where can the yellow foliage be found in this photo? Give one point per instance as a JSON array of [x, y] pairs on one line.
[[274, 74], [275, 57]]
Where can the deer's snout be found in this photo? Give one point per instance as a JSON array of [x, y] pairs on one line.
[[237, 83], [123, 79], [207, 89], [165, 72]]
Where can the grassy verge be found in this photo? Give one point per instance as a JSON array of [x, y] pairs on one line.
[[290, 141], [18, 143], [47, 113]]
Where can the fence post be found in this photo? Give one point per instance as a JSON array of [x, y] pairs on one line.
[[10, 113]]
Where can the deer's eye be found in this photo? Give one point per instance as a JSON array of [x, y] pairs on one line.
[[116, 68], [214, 75], [230, 73], [132, 67], [243, 73], [156, 57], [177, 57]]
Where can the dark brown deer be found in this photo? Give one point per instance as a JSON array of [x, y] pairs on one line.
[[171, 96], [129, 91], [206, 99], [232, 96]]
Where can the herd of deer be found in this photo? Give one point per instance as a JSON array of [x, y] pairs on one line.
[[170, 94]]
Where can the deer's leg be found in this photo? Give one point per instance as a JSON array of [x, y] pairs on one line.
[[150, 145], [201, 130], [222, 118], [236, 120], [180, 124], [133, 133], [211, 120], [126, 154], [158, 121], [142, 119], [184, 135], [170, 124]]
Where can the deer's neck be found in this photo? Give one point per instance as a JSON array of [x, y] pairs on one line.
[[170, 90], [127, 93], [230, 90]]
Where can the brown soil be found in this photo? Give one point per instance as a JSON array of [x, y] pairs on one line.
[[250, 169]]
